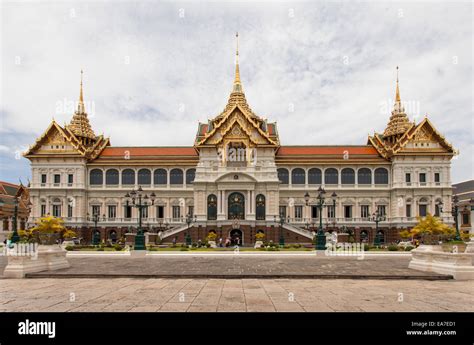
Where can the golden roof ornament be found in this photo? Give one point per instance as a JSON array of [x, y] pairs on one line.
[[398, 123], [237, 83], [80, 125]]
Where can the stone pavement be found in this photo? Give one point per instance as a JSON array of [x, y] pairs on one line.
[[240, 266], [210, 295]]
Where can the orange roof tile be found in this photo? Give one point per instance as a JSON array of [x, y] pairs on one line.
[[326, 150], [148, 151]]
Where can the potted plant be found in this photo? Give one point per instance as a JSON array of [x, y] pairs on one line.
[[211, 239], [431, 230], [47, 256], [48, 230], [68, 236], [430, 257], [259, 237]]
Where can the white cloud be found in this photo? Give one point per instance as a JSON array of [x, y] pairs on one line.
[[176, 62]]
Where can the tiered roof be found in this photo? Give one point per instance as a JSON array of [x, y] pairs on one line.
[[400, 131], [78, 134], [237, 101], [399, 122]]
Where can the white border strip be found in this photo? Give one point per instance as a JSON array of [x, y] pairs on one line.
[[230, 253]]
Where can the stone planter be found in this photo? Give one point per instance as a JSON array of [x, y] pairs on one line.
[[470, 246], [258, 244], [430, 248], [48, 239], [428, 258], [47, 258], [212, 243], [67, 243]]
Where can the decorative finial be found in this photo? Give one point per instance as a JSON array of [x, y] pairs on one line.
[[397, 95], [81, 98], [237, 83], [80, 106], [237, 50]]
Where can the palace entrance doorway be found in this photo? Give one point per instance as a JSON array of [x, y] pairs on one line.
[[236, 237]]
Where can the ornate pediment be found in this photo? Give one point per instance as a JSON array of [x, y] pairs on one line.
[[423, 138], [418, 139], [235, 177], [59, 141], [237, 126]]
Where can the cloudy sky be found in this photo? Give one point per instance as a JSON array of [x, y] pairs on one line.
[[324, 71]]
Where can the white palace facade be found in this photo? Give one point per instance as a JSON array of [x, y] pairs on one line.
[[237, 179]]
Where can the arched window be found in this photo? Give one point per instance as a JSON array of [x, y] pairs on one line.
[[144, 176], [176, 176], [364, 176], [160, 177], [112, 177], [347, 176], [211, 207], [364, 236], [128, 176], [381, 176], [236, 206], [260, 206], [314, 176], [190, 175], [423, 207], [331, 176], [283, 175], [298, 176], [96, 177]]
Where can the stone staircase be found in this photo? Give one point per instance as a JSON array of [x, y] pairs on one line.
[[173, 231], [300, 231]]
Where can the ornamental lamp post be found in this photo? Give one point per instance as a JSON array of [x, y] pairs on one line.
[[15, 237], [189, 220], [137, 199], [29, 206], [455, 210], [96, 234], [377, 217], [320, 236], [281, 221]]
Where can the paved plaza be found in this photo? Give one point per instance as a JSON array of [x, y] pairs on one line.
[[210, 295], [238, 266], [166, 283]]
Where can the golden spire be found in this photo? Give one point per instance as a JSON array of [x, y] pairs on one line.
[[397, 95], [237, 83], [81, 107], [398, 123], [80, 125]]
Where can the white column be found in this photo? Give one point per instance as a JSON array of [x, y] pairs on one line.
[[254, 202], [224, 203], [248, 202]]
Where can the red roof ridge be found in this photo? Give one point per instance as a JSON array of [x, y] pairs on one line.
[[9, 183]]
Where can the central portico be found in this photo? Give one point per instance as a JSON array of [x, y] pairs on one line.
[[236, 168]]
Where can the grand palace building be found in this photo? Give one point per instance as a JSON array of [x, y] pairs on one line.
[[238, 178]]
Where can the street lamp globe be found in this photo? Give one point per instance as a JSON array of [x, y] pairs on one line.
[[306, 198]]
